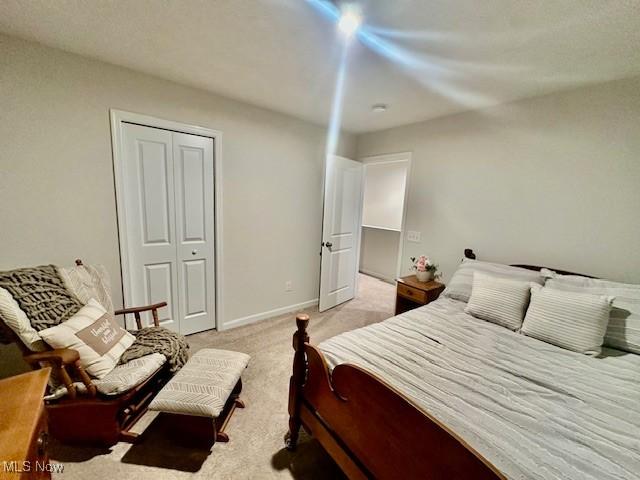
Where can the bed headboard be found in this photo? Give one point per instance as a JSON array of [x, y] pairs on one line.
[[468, 253]]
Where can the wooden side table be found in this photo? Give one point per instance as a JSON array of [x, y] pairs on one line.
[[410, 293], [23, 427]]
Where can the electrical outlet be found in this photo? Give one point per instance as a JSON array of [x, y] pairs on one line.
[[287, 286], [413, 236]]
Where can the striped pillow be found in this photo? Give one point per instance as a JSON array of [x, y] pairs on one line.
[[459, 287], [16, 320], [571, 320], [96, 336], [499, 300], [623, 332]]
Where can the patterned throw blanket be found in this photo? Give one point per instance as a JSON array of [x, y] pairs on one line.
[[47, 301], [41, 294], [159, 340]]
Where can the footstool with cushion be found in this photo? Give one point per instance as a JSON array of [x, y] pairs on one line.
[[202, 396]]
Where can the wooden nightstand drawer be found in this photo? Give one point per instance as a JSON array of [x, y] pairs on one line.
[[411, 293]]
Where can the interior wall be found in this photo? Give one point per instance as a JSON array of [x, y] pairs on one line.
[[383, 205], [379, 253], [57, 186], [384, 188], [552, 180]]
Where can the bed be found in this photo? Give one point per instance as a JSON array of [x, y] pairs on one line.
[[437, 393]]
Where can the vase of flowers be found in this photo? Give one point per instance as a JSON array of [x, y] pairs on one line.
[[425, 269]]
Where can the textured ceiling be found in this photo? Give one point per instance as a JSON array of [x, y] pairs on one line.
[[424, 58]]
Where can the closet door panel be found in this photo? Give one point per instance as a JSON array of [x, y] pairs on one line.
[[150, 220], [194, 184]]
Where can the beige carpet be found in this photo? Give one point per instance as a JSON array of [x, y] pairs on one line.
[[256, 449]]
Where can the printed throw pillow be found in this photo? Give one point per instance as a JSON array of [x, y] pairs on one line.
[[499, 300], [571, 320], [95, 334], [460, 285], [16, 320]]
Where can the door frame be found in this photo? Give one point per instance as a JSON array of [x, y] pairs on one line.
[[400, 157], [118, 118]]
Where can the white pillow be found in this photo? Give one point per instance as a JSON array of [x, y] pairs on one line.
[[17, 321], [499, 300], [571, 320], [459, 287], [96, 336], [623, 331]]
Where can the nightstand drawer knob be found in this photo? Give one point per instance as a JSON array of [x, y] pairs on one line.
[[42, 443]]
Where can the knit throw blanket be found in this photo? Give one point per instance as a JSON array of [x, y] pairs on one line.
[[41, 294], [158, 340]]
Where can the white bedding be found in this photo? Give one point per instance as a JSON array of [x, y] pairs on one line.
[[533, 409]]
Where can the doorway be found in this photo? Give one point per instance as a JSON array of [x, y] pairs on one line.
[[167, 179], [383, 215]]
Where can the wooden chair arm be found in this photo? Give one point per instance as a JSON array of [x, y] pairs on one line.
[[146, 308], [137, 310], [59, 359]]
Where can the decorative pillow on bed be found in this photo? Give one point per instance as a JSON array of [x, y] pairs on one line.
[[96, 336], [459, 287], [571, 320], [499, 300], [623, 331]]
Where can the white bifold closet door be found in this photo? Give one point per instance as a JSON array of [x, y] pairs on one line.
[[169, 217]]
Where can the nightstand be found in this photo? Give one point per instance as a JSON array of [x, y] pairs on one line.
[[410, 293]]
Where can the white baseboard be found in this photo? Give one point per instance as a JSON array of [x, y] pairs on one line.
[[379, 276], [238, 322]]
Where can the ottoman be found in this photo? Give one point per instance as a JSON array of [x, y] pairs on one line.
[[203, 395]]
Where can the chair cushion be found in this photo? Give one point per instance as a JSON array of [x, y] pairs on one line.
[[129, 375], [202, 387], [41, 294], [96, 336], [88, 281], [13, 316]]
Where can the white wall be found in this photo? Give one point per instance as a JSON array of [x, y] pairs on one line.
[[56, 180], [552, 180], [384, 187], [384, 195], [379, 253]]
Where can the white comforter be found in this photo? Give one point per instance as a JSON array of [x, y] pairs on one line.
[[533, 409]]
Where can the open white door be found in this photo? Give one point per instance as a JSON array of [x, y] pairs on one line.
[[340, 231]]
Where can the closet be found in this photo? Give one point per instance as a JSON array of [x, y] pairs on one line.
[[166, 208], [385, 181]]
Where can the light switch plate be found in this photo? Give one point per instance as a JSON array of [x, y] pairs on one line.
[[413, 236]]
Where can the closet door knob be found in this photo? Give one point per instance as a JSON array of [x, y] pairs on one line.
[[329, 244], [194, 251]]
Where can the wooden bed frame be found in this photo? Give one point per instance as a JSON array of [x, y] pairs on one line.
[[369, 428]]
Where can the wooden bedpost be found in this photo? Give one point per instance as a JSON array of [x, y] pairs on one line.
[[296, 382]]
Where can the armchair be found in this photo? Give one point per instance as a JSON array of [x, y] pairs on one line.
[[86, 415]]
